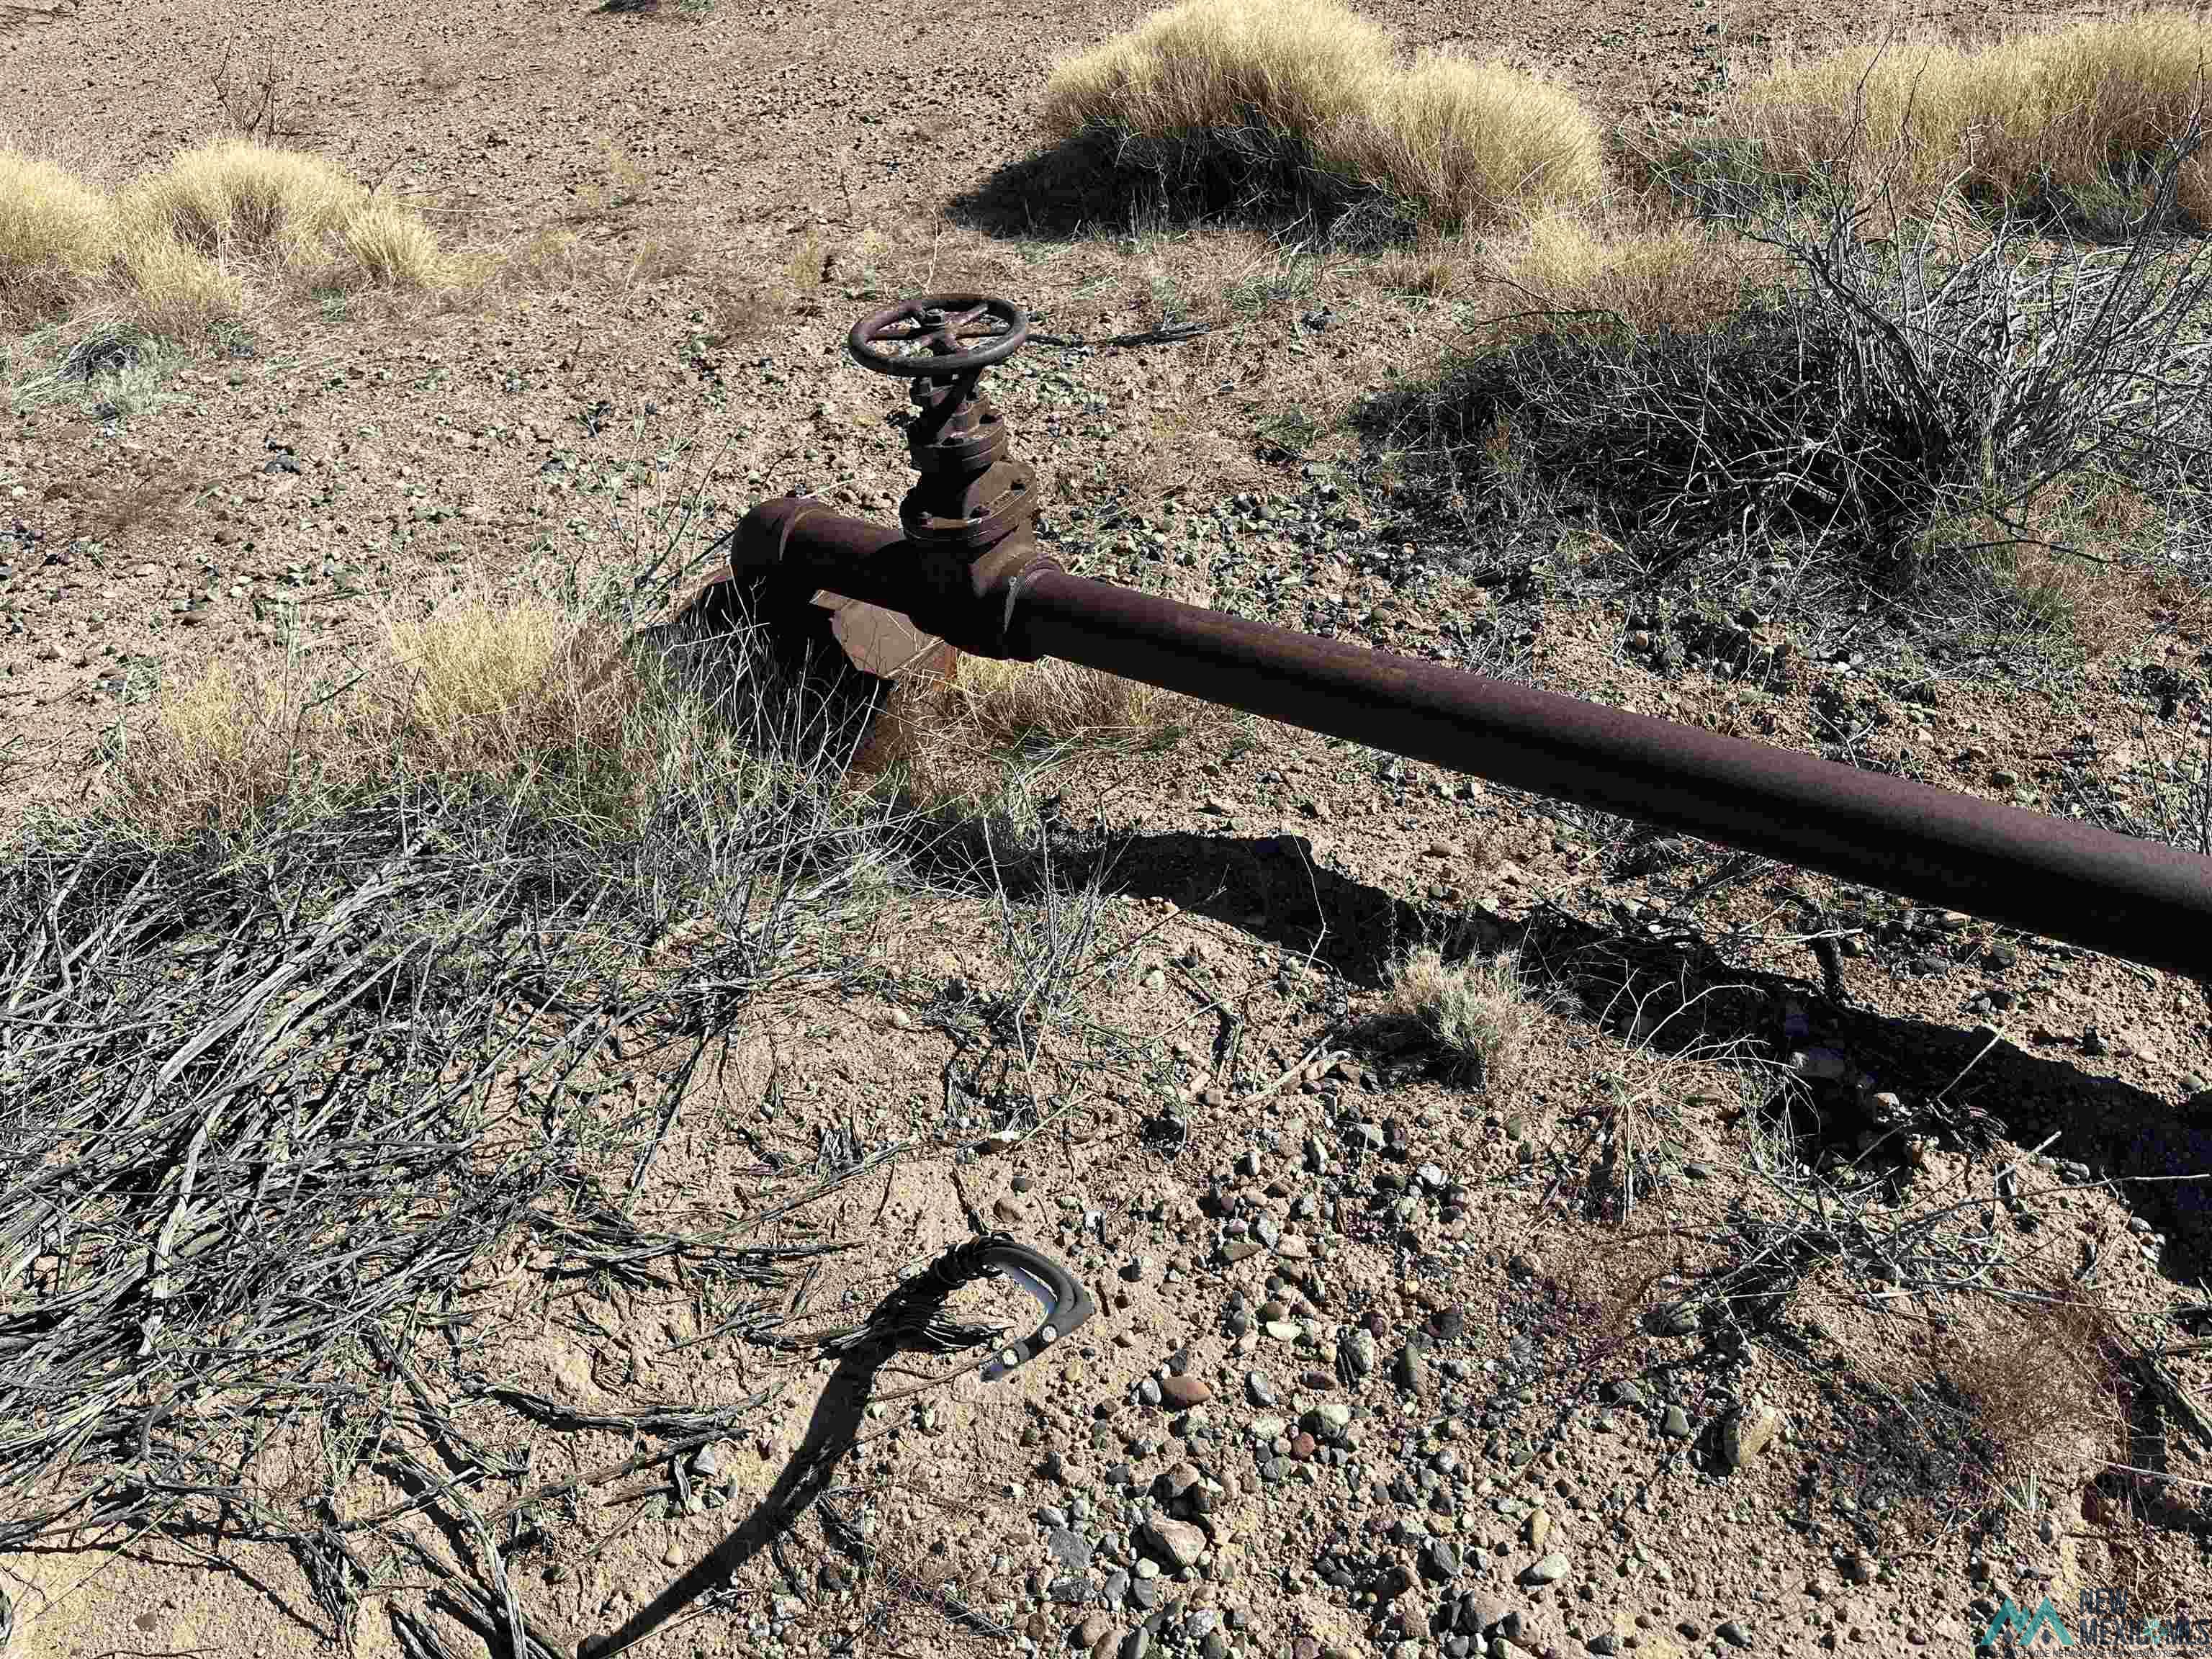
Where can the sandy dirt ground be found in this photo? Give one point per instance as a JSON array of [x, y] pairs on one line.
[[1372, 1372]]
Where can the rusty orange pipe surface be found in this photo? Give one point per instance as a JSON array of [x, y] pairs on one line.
[[2143, 899]]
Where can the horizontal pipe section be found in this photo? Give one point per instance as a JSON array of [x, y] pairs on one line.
[[2143, 899], [848, 556]]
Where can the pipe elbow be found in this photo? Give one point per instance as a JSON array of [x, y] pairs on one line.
[[758, 545]]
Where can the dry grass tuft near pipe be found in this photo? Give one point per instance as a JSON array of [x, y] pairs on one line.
[[1304, 103]]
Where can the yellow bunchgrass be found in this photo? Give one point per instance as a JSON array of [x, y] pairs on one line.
[[176, 251], [1306, 97], [2034, 114], [1677, 275], [57, 236], [490, 685]]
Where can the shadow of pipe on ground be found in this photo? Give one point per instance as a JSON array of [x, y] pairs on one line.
[[1273, 888]]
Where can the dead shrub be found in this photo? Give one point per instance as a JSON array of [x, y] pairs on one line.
[[1891, 385], [247, 94], [2041, 1381]]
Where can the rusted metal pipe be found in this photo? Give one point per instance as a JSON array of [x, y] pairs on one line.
[[2149, 902]]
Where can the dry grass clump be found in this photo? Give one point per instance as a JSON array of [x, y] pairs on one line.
[[973, 750], [1051, 704], [172, 250], [2044, 584], [497, 687], [1683, 277], [1478, 1012], [2040, 1380], [56, 239], [171, 290], [2066, 119], [526, 697], [293, 212], [1306, 101]]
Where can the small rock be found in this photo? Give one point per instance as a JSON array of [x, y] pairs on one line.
[[1177, 1540], [1746, 1432], [1329, 1420], [1479, 1613], [1412, 1371], [1546, 1570], [1675, 1424], [1187, 1391], [1820, 1064], [1175, 1480], [1071, 1549]]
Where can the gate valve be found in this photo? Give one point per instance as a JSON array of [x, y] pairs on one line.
[[970, 496], [971, 512]]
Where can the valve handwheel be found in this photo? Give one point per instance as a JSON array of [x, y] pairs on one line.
[[938, 324]]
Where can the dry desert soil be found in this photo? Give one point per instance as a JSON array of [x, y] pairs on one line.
[[1388, 1360]]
